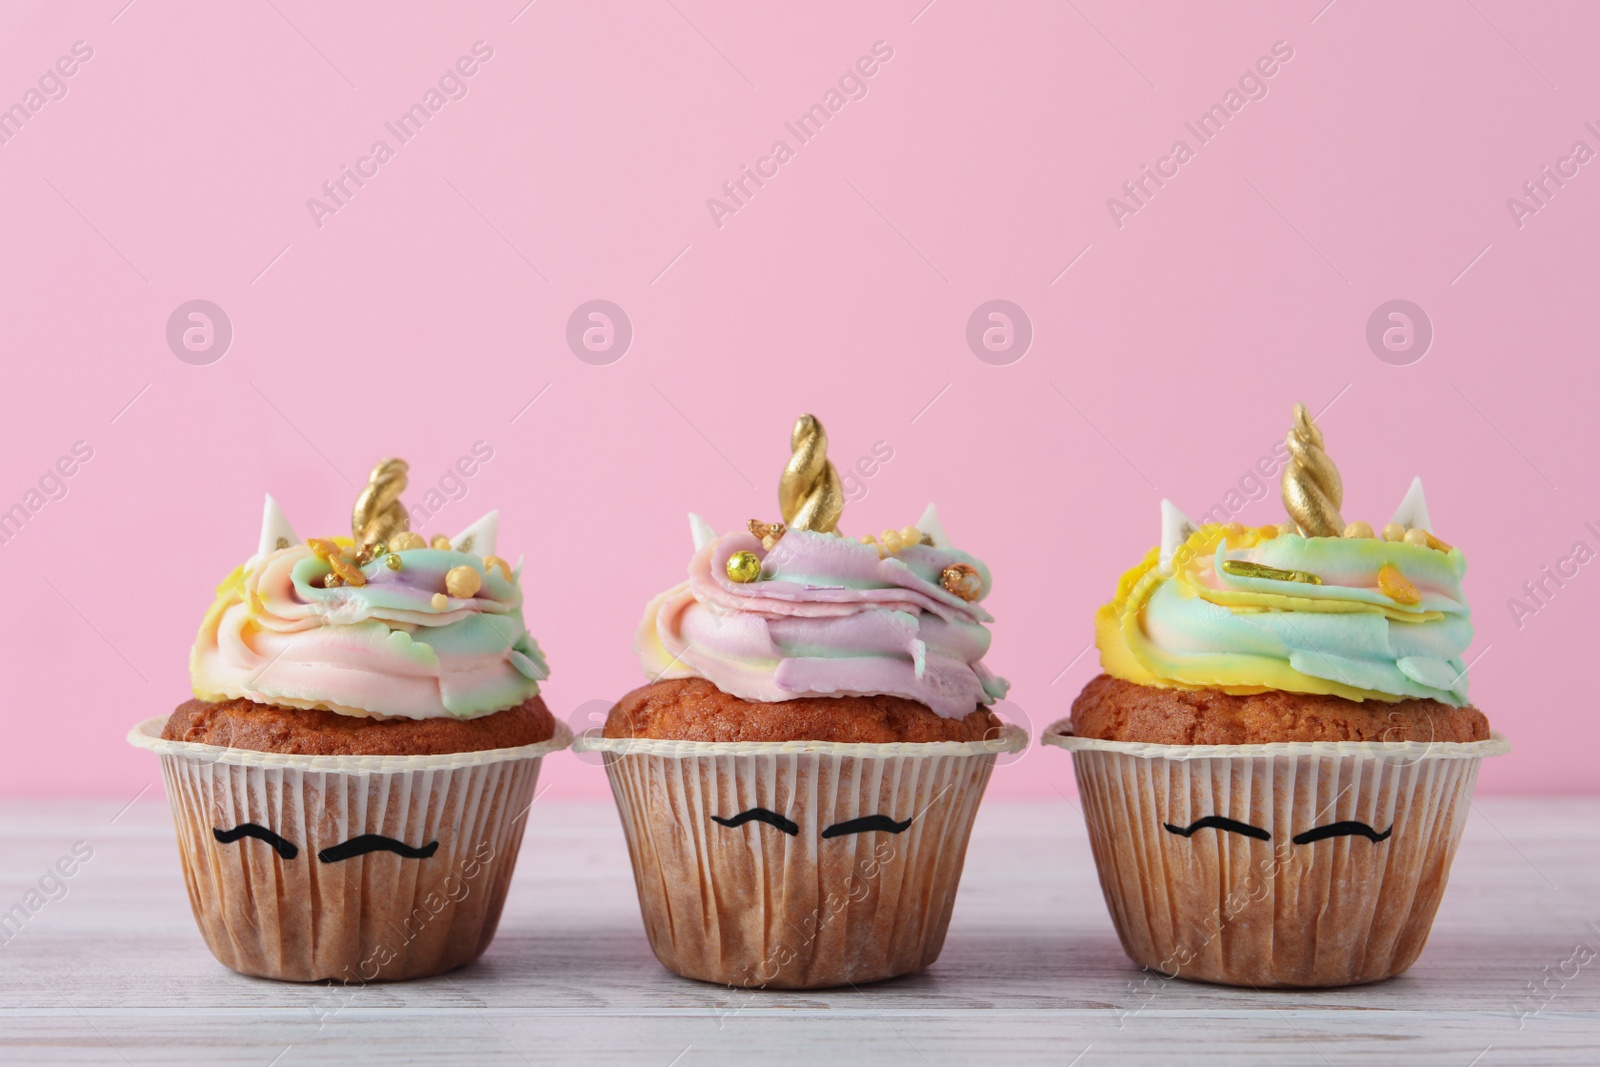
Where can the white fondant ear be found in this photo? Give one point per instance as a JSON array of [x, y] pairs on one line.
[[275, 530], [701, 531], [930, 525], [1176, 528], [1413, 510], [480, 537]]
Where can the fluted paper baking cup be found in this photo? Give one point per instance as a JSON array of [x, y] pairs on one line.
[[1305, 863], [351, 868], [798, 864]]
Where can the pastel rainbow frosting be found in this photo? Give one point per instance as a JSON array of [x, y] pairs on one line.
[[828, 617], [385, 649], [1178, 620]]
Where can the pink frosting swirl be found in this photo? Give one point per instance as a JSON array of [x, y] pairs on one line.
[[827, 618]]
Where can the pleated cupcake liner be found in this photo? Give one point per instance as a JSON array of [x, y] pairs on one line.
[[1328, 873], [803, 896], [304, 892]]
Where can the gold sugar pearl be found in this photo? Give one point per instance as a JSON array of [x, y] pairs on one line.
[[1268, 532], [909, 536], [891, 541], [1417, 537], [496, 561], [379, 549], [392, 561], [744, 567], [405, 540], [1394, 532], [331, 581], [963, 580], [463, 582], [1359, 529], [439, 541], [440, 602]]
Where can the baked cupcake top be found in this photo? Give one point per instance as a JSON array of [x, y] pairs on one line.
[[380, 624], [777, 611], [1317, 606]]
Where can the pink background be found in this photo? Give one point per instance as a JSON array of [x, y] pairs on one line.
[[431, 309]]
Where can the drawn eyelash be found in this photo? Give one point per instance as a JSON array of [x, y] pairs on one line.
[[866, 824], [1342, 829], [360, 846], [771, 818], [1232, 826], [287, 849]]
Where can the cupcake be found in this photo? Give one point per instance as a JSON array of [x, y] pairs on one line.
[[1277, 764], [798, 780], [349, 781]]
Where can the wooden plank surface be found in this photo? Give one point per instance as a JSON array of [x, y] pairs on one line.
[[114, 971]]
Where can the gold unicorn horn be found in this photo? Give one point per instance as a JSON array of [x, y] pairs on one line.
[[378, 513], [809, 492], [1312, 491]]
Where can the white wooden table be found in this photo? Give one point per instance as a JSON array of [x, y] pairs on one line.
[[114, 971]]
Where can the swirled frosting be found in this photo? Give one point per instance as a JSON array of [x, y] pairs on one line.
[[277, 636], [1190, 625], [827, 617]]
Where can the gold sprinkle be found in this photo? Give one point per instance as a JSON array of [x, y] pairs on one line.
[[439, 541], [1359, 529], [1395, 586], [463, 582], [962, 580], [282, 543], [347, 571], [466, 543], [1242, 568], [323, 548], [392, 561], [1268, 532], [769, 532], [440, 602], [405, 540], [1436, 544], [744, 567], [496, 561], [331, 581]]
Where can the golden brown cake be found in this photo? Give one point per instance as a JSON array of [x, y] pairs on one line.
[[693, 709], [241, 723], [1112, 709]]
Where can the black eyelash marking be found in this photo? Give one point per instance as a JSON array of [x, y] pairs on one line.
[[287, 849], [1233, 826], [360, 846], [771, 818], [866, 824], [1342, 829]]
